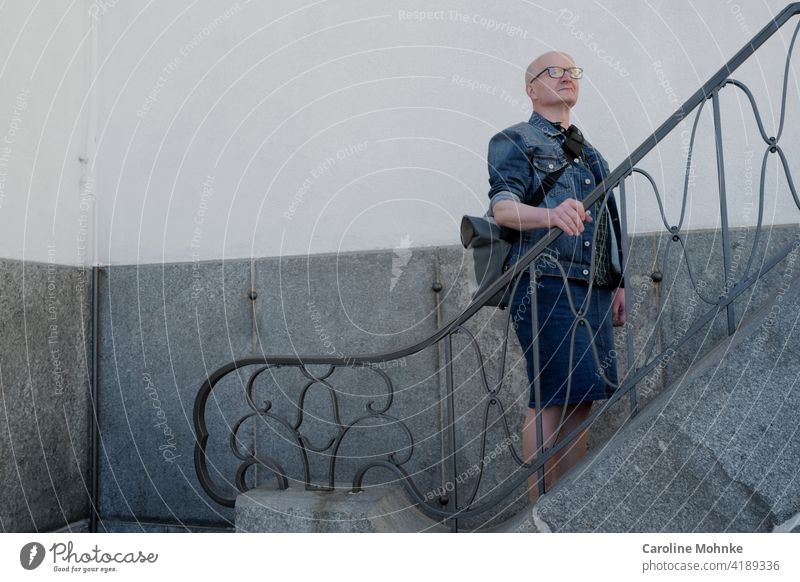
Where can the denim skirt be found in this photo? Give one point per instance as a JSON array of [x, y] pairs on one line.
[[566, 379]]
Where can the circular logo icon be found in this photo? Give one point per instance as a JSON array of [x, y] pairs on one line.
[[31, 555]]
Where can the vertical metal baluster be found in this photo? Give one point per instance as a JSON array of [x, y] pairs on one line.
[[723, 208], [440, 360], [624, 243], [449, 447], [537, 385], [94, 516], [252, 296], [451, 423]]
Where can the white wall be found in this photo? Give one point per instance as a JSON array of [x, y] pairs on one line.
[[45, 127], [232, 129]]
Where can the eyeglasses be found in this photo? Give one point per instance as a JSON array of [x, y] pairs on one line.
[[558, 72]]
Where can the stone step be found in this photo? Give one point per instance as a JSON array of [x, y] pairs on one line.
[[373, 510]]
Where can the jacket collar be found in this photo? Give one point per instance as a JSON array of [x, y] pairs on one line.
[[537, 120]]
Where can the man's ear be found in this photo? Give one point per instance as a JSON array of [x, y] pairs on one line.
[[530, 90]]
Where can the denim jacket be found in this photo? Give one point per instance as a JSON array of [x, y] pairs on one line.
[[520, 157]]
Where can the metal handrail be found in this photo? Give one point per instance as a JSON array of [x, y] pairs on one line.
[[616, 178]]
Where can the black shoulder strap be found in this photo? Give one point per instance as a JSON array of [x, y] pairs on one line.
[[546, 185], [573, 147]]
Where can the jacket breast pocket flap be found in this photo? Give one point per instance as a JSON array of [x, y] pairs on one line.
[[548, 164], [544, 165]]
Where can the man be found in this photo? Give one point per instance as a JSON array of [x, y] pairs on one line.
[[520, 158]]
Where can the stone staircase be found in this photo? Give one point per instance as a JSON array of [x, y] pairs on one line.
[[717, 451]]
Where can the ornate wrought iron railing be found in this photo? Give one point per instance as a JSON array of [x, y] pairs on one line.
[[449, 504]]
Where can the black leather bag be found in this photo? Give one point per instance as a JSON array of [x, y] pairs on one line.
[[491, 244], [490, 252]]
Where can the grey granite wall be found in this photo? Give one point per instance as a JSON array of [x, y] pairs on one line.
[[165, 327], [44, 396]]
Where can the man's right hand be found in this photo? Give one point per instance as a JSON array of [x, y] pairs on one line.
[[569, 216]]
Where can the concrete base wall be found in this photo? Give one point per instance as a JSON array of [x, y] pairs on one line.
[[165, 327], [44, 395]]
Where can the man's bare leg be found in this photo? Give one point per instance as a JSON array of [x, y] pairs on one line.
[[574, 452], [568, 456], [550, 417]]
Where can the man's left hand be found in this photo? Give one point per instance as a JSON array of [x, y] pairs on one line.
[[618, 307]]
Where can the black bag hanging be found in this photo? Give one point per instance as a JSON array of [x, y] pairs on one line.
[[491, 245]]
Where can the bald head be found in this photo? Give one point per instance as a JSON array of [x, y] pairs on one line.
[[552, 98], [546, 60]]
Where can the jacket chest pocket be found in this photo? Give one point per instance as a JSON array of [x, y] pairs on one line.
[[552, 166]]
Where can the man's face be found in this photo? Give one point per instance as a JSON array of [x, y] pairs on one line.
[[546, 91]]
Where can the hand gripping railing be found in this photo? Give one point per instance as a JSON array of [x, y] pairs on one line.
[[448, 506]]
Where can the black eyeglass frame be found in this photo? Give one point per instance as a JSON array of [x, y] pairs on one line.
[[563, 71]]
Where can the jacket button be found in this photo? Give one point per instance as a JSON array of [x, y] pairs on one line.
[[587, 181], [550, 166], [586, 243], [586, 271], [576, 160]]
